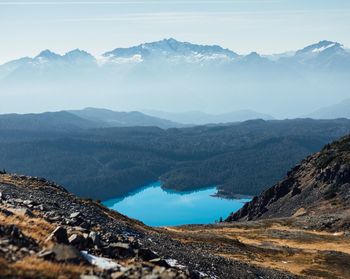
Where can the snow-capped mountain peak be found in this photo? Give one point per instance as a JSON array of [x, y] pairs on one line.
[[168, 48], [320, 47]]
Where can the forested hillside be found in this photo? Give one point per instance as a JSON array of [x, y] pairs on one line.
[[243, 158]]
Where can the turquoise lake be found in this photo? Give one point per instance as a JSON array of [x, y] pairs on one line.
[[157, 207]]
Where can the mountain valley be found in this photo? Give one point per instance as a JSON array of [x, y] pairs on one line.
[[106, 163], [51, 229]]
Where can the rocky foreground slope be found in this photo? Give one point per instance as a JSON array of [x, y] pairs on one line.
[[318, 190], [46, 232], [299, 228]]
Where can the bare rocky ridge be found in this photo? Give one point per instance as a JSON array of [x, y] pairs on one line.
[[47, 232], [317, 190]]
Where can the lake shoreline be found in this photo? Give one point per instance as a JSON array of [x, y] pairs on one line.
[[159, 207]]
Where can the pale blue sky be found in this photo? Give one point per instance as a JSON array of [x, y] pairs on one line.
[[265, 26]]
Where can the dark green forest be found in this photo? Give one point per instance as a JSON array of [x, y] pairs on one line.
[[241, 158]]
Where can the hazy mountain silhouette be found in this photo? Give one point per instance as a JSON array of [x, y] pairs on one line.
[[339, 110], [200, 118], [123, 119], [171, 75]]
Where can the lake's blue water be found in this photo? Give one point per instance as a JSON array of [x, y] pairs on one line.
[[157, 207]]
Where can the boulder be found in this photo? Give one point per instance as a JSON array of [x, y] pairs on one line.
[[68, 254]]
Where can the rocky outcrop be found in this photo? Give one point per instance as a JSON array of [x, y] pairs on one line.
[[318, 188]]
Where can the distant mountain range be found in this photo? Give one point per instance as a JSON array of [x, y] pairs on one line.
[[90, 118], [179, 76], [109, 118], [48, 121], [81, 119], [339, 110], [201, 118], [325, 55]]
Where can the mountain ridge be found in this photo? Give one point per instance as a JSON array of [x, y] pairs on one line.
[[318, 189], [179, 76], [173, 46], [87, 118], [202, 118]]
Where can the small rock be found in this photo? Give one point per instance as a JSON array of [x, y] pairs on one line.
[[95, 238], [75, 215], [119, 250], [24, 250], [147, 254], [40, 207], [160, 262], [77, 241], [120, 245], [85, 224], [52, 218], [6, 212], [18, 200], [46, 254], [59, 235], [27, 202]]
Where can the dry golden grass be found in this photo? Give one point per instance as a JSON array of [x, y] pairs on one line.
[[36, 228], [37, 268], [273, 244]]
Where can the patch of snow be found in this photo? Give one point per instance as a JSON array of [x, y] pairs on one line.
[[320, 49], [100, 262], [137, 58]]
